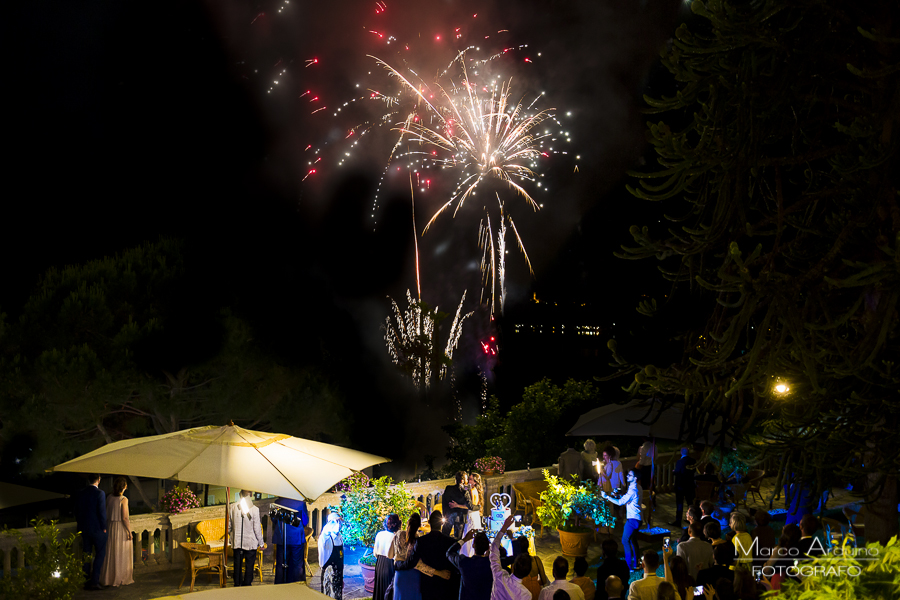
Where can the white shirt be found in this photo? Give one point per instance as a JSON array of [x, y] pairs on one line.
[[646, 588], [506, 586], [246, 532], [631, 500], [574, 590], [383, 543]]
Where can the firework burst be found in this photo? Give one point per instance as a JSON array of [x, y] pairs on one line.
[[474, 129], [413, 344]]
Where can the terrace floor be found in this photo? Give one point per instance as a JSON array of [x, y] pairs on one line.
[[165, 583]]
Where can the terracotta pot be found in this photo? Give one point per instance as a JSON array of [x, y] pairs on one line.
[[575, 544], [490, 473], [368, 574]]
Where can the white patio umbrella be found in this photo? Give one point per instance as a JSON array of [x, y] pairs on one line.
[[625, 419], [230, 456]]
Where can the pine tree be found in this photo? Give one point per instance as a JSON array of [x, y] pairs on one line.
[[778, 159]]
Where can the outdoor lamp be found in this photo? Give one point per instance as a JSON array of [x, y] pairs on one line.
[[782, 388]]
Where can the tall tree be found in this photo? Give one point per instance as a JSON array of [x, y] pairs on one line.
[[778, 159], [121, 347]]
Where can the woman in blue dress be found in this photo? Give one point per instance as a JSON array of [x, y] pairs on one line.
[[406, 583]]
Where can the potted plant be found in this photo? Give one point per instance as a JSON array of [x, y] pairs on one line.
[[570, 507], [179, 499], [490, 465], [363, 508]]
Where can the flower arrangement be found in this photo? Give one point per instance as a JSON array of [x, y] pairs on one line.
[[359, 479], [564, 503], [490, 463], [179, 500], [364, 507]]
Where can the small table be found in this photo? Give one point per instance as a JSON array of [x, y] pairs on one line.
[[652, 534]]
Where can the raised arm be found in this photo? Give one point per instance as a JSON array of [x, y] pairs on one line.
[[496, 569], [667, 553]]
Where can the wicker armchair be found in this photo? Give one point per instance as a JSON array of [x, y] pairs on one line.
[[199, 559], [754, 484], [213, 531], [535, 519], [522, 503]]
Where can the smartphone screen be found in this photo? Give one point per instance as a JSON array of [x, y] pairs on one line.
[[698, 590], [666, 543]]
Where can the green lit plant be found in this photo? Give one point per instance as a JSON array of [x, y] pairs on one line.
[[52, 571], [565, 503], [364, 507], [872, 572]]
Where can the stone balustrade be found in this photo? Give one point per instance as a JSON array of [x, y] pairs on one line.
[[157, 535]]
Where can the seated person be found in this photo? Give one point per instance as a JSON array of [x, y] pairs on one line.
[[581, 580], [810, 544], [612, 567], [723, 556], [693, 516], [613, 588], [712, 531]]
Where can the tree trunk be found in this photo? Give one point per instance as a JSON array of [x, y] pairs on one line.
[[881, 515]]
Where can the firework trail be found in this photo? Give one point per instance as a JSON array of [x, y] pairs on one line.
[[413, 344]]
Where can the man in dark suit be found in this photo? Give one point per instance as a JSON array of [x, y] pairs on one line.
[[431, 549], [90, 513], [684, 484], [457, 503], [611, 566], [475, 571]]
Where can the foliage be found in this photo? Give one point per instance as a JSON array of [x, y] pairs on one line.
[[369, 560], [364, 507], [52, 569], [126, 346], [777, 158], [490, 463], [731, 460], [877, 579], [358, 478], [179, 499], [532, 432], [565, 503]]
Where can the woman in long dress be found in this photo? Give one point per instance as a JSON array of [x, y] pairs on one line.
[[118, 566], [384, 565], [476, 492], [406, 582]]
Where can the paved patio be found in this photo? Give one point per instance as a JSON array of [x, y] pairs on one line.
[[165, 583]]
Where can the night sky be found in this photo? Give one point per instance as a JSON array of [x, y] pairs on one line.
[[130, 121]]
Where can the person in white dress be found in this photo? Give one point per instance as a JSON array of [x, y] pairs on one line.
[[473, 522]]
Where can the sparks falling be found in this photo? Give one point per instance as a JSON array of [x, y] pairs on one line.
[[413, 343]]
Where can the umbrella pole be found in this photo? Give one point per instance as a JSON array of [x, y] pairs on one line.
[[227, 499]]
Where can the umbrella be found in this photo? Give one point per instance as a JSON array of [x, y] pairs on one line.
[[14, 495], [231, 456], [625, 419]]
